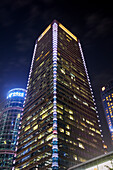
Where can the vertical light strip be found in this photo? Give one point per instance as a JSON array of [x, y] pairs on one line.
[[31, 68], [90, 85], [31, 65], [55, 138]]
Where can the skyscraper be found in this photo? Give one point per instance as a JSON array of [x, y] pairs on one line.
[[9, 126], [60, 125], [107, 100]]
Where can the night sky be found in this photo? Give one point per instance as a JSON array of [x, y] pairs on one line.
[[22, 21]]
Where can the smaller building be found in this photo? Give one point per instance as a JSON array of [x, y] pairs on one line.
[[104, 162], [107, 100], [9, 125]]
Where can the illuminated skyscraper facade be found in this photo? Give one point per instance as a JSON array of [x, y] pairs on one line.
[[60, 125], [9, 126], [107, 100]]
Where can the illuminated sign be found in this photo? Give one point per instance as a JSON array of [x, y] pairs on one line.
[[15, 94]]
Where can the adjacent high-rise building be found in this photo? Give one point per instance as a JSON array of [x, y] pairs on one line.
[[9, 126], [107, 100], [60, 125]]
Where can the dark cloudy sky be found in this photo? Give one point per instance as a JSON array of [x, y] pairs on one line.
[[22, 21]]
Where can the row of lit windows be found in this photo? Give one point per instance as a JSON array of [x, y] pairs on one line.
[[34, 129], [80, 127], [66, 97], [78, 144], [37, 141], [37, 159], [77, 69], [72, 118], [40, 83], [74, 74], [61, 106], [78, 90], [44, 113]]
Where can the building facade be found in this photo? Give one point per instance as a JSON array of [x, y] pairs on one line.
[[9, 126], [107, 100], [60, 125]]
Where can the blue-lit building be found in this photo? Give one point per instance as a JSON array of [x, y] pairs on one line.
[[107, 99], [9, 126]]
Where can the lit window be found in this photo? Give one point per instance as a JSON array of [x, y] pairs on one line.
[[74, 143], [105, 146], [18, 116], [41, 64], [62, 70], [92, 134], [81, 146], [82, 160], [97, 131], [90, 122], [60, 117], [71, 117], [67, 127], [85, 103], [49, 137], [59, 111], [50, 129], [44, 115], [70, 111], [61, 130], [41, 135], [75, 97], [58, 54], [68, 133], [35, 117], [92, 108], [5, 142], [92, 129], [35, 127], [28, 127], [75, 157], [59, 105], [28, 117], [46, 53], [68, 37], [68, 40], [83, 124]]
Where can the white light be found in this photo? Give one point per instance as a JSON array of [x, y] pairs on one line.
[[32, 63], [55, 163]]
